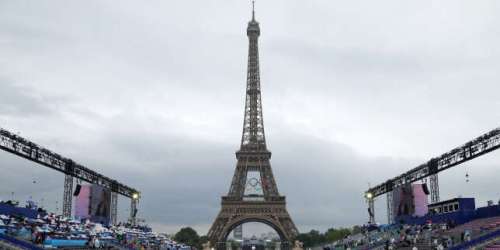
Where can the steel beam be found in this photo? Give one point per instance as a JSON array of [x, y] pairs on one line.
[[371, 211], [67, 196], [480, 146], [434, 188], [22, 147], [390, 215], [114, 208], [133, 210]]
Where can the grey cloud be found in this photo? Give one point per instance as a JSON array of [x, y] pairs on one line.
[[21, 101], [152, 95], [182, 178]]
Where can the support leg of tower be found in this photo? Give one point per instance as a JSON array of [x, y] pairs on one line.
[[371, 210], [67, 196], [114, 208], [434, 188], [133, 210], [390, 215]]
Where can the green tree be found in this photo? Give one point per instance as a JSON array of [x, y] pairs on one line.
[[188, 236], [333, 234], [315, 238], [311, 239], [356, 230], [203, 240], [305, 239]]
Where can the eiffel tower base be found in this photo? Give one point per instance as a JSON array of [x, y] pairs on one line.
[[234, 213], [223, 246]]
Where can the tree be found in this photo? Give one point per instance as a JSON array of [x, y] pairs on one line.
[[315, 238], [333, 234], [357, 229], [311, 239], [188, 236], [203, 239], [305, 239]]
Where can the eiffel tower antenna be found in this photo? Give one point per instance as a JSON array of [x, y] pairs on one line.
[[253, 10]]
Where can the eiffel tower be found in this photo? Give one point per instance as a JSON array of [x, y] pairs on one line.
[[253, 195]]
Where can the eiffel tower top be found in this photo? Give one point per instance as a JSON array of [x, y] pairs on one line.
[[253, 26], [253, 138], [253, 10]]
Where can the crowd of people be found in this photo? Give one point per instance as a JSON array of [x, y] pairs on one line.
[[51, 231], [397, 236]]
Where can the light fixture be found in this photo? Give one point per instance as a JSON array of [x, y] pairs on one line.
[[135, 196], [369, 195]]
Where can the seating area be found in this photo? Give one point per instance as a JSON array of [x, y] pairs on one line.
[[54, 231], [428, 236], [475, 228], [493, 246], [394, 237]]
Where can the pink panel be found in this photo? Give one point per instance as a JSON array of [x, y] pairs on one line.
[[82, 202], [420, 200]]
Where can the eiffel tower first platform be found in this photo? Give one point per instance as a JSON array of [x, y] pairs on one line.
[[253, 195]]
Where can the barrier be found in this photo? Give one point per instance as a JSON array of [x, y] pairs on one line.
[[64, 243], [6, 246], [19, 243], [458, 217], [477, 241]]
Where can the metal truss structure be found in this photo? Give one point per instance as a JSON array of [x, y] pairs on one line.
[[371, 210], [133, 211], [24, 148], [114, 208], [480, 146], [238, 207], [434, 187], [390, 211], [68, 195]]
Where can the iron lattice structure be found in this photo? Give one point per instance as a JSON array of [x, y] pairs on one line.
[[480, 146], [114, 208], [253, 156], [24, 148], [67, 195], [470, 150]]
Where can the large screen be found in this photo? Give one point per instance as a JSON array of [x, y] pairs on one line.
[[420, 200], [409, 199], [100, 204], [402, 200], [82, 202]]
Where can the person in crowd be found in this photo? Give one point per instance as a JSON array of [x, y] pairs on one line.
[[97, 243], [50, 228], [440, 247]]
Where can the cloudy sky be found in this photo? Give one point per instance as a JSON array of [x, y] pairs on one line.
[[152, 94]]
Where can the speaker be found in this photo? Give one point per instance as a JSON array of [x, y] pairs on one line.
[[426, 190], [370, 212], [77, 190], [135, 212]]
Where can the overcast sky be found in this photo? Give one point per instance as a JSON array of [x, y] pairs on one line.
[[152, 93]]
